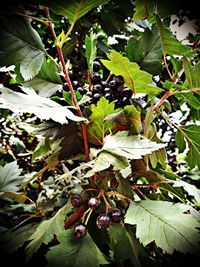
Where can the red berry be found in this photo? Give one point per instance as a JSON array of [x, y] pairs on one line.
[[94, 202], [80, 230], [103, 221], [76, 200]]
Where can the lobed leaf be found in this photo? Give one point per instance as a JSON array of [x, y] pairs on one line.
[[45, 232], [138, 80], [30, 102], [166, 223]]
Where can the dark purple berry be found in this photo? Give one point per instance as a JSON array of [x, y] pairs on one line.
[[108, 97], [65, 87], [126, 101], [80, 230], [96, 78], [117, 103], [76, 200], [89, 93], [97, 88], [96, 97], [103, 221], [75, 84], [104, 84], [116, 215], [127, 92], [96, 66], [94, 202], [113, 84], [81, 90], [107, 90]]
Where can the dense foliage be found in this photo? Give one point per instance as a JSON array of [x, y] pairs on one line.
[[100, 134]]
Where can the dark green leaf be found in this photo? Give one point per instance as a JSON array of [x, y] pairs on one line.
[[21, 46], [74, 10], [75, 252], [91, 49], [146, 51], [170, 45], [10, 177], [125, 245], [45, 232]]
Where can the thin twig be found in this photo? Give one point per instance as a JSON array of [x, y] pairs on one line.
[[67, 79]]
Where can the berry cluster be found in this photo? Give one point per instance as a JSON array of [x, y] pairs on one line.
[[103, 220], [113, 90]]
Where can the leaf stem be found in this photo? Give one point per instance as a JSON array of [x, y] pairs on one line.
[[67, 79]]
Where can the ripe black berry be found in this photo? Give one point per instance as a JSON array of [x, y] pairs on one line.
[[80, 230], [89, 93], [97, 88], [94, 202], [113, 84], [75, 84], [81, 90], [76, 200], [96, 78], [103, 221], [116, 215], [108, 96], [127, 92], [96, 66], [96, 97]]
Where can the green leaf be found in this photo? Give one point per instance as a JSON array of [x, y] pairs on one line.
[[91, 49], [191, 189], [133, 118], [130, 147], [29, 102], [166, 223], [99, 125], [45, 232], [146, 51], [190, 133], [74, 252], [46, 147], [143, 9], [105, 159], [119, 148], [192, 73], [10, 177], [21, 46], [16, 238], [48, 81], [139, 81], [170, 45], [125, 245], [74, 10]]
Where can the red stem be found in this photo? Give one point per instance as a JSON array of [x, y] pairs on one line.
[[67, 79], [75, 217], [160, 102]]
